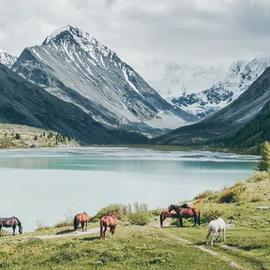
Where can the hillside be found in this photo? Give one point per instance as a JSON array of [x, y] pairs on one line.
[[17, 136], [254, 133], [24, 103], [227, 121]]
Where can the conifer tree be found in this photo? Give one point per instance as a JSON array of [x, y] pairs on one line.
[[264, 164]]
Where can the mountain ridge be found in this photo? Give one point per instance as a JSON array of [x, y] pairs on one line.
[[116, 95]]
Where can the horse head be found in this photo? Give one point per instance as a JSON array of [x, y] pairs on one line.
[[173, 207]]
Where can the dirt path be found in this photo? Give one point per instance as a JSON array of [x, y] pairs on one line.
[[53, 236], [70, 234]]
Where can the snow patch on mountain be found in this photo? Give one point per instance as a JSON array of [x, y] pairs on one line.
[[7, 59], [239, 77]]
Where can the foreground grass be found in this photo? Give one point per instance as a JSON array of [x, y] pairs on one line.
[[134, 247]]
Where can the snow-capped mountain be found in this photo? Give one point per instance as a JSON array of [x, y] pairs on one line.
[[172, 80], [249, 114], [240, 76], [7, 59], [76, 67]]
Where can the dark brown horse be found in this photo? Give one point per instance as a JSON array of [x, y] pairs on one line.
[[81, 218], [185, 211], [105, 222], [167, 214], [12, 222]]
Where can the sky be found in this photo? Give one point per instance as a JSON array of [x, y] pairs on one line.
[[200, 32]]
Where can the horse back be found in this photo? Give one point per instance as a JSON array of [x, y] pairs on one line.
[[186, 212], [109, 221]]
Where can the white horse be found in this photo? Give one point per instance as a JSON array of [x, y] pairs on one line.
[[216, 228]]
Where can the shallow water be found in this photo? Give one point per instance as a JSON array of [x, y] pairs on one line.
[[45, 186]]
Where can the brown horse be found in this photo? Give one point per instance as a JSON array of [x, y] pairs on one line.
[[81, 218], [12, 222], [185, 211], [166, 214], [105, 222]]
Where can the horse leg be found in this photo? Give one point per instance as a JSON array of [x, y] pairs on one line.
[[0, 230], [209, 233], [104, 231], [181, 222], [14, 228], [195, 220], [101, 230], [82, 226], [161, 219], [214, 236], [85, 228], [112, 229], [223, 235]]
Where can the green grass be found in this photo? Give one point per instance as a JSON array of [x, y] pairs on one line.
[[249, 246], [134, 247]]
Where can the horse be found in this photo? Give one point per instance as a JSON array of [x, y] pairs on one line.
[[166, 214], [81, 218], [105, 222], [11, 222], [185, 211], [216, 227]]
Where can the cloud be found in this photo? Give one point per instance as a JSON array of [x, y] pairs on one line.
[[189, 31]]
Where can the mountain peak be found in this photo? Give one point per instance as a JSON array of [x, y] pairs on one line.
[[68, 29], [83, 39], [6, 58]]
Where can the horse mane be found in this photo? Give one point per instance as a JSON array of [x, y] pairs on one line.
[[19, 222]]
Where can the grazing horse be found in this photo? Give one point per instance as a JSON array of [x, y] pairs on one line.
[[185, 211], [216, 227], [81, 218], [105, 222], [12, 222], [166, 214]]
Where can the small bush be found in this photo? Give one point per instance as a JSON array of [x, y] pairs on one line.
[[204, 195], [118, 210], [210, 214], [257, 198], [139, 218], [17, 136], [233, 194], [64, 223], [258, 177]]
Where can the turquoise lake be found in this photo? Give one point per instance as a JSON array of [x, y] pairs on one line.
[[46, 186]]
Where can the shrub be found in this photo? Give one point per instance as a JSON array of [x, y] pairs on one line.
[[257, 198], [17, 136], [232, 194], [118, 210], [259, 177], [210, 214], [64, 223], [139, 218], [204, 195]]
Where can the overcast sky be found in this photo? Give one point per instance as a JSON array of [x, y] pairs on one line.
[[181, 31]]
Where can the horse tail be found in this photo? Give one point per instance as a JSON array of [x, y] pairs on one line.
[[75, 223], [101, 228]]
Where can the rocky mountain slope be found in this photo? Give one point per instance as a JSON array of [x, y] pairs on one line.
[[77, 68], [240, 76], [227, 121], [24, 103], [7, 59]]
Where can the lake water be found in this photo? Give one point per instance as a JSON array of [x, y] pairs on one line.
[[45, 186]]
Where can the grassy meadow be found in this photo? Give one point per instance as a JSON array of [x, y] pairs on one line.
[[140, 243]]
